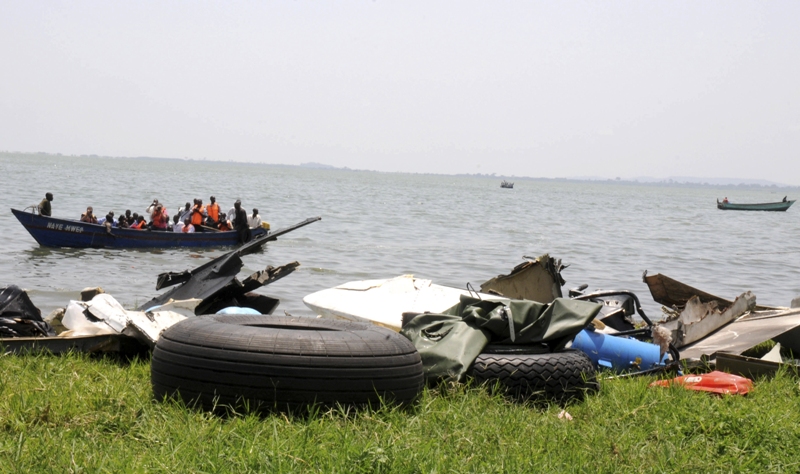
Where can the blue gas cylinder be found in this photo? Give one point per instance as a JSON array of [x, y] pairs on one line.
[[619, 353]]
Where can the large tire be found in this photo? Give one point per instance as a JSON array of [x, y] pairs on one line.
[[557, 375], [277, 363]]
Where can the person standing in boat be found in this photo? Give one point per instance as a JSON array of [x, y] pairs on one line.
[[151, 207], [46, 210], [240, 222], [198, 215], [231, 214], [213, 212], [160, 218], [184, 213], [725, 200]]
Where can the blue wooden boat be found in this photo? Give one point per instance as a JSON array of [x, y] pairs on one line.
[[764, 206], [54, 232]]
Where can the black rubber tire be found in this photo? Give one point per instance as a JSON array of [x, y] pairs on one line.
[[276, 363], [555, 375]]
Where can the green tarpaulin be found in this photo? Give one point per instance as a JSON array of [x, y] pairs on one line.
[[449, 342]]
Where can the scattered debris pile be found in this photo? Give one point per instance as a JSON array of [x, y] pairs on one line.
[[710, 330]]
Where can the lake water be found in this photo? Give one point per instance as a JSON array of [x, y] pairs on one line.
[[449, 229]]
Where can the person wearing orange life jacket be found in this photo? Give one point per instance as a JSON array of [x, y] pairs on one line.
[[89, 216], [160, 218], [198, 214], [140, 224], [213, 212], [188, 228], [224, 223]]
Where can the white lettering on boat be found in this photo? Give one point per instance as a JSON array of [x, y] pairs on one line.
[[69, 228]]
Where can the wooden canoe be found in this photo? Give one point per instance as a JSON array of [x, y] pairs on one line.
[[764, 206], [54, 232]]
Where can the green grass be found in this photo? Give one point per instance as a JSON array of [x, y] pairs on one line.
[[77, 414]]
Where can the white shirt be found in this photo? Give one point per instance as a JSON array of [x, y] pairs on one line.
[[253, 222], [184, 213], [177, 227]]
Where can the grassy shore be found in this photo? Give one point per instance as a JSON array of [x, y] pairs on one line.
[[76, 414]]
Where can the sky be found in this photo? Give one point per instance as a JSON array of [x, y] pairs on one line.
[[543, 89]]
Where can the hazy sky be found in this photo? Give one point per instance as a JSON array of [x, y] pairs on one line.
[[550, 89]]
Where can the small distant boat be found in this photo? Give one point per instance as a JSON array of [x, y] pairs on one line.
[[506, 184], [764, 206]]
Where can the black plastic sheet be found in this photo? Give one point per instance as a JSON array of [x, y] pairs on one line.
[[19, 317]]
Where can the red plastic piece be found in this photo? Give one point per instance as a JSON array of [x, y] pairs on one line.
[[714, 382]]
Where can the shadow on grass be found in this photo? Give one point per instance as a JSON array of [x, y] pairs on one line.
[[241, 407]]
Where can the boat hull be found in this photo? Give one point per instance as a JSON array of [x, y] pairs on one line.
[[765, 206], [54, 232]]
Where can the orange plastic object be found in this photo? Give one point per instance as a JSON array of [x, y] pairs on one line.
[[714, 382]]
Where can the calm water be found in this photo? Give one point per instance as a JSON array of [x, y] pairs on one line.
[[452, 230]]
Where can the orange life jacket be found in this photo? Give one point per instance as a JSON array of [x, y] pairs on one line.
[[160, 220], [213, 212], [197, 217]]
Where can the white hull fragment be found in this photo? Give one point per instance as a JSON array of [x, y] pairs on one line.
[[383, 302]]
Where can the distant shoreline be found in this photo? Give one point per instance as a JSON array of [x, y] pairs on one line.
[[726, 183]]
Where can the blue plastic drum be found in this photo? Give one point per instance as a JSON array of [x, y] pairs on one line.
[[621, 354]]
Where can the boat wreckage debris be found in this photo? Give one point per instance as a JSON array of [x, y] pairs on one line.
[[400, 302], [394, 301], [698, 319], [536, 279], [699, 327], [712, 330]]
